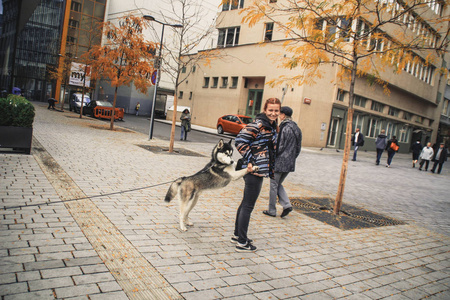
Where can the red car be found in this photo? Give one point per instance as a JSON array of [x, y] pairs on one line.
[[232, 123]]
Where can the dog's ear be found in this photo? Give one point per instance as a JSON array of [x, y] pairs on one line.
[[231, 140], [220, 144]]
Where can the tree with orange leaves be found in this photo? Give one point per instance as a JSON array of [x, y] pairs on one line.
[[127, 57], [371, 39]]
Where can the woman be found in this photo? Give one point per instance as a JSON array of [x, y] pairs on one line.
[[416, 149], [256, 143], [185, 124], [391, 147]]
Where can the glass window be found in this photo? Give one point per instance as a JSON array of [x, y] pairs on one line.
[[377, 106], [234, 82], [215, 82], [75, 6], [99, 10], [360, 101], [269, 32], [407, 116], [374, 127], [88, 7], [190, 95], [405, 133], [183, 69], [393, 111], [228, 37], [340, 95], [180, 95], [358, 122], [232, 4], [224, 82], [205, 82]]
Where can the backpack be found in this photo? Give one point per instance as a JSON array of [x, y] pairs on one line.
[[394, 146]]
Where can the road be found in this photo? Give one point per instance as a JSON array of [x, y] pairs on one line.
[[162, 130]]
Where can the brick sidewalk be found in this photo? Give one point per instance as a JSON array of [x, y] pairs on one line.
[[128, 245]]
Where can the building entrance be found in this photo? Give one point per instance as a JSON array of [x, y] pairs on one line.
[[254, 102]]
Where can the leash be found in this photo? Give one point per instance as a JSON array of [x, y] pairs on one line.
[[88, 197]]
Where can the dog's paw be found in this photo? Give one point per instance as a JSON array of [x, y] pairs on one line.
[[189, 223], [255, 169], [183, 228]]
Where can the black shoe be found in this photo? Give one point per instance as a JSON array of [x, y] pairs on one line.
[[266, 212], [432, 171], [235, 238], [248, 247], [353, 159], [285, 212]]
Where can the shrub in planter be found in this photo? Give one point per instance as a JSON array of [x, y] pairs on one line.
[[16, 122], [16, 111]]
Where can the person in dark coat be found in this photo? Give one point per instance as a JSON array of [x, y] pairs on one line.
[[380, 144], [439, 158], [416, 149], [289, 145], [358, 141], [391, 149]]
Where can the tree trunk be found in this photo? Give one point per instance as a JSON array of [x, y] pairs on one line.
[[113, 109], [174, 119], [348, 136]]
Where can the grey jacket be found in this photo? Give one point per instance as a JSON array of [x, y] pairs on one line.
[[381, 141], [289, 145]]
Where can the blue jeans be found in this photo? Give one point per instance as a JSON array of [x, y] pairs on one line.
[[183, 133], [354, 153], [379, 153], [252, 189], [390, 156]]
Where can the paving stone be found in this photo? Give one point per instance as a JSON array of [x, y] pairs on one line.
[[78, 290]]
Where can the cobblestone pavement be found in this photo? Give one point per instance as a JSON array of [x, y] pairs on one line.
[[128, 245]]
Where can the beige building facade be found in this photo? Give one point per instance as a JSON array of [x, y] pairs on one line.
[[237, 84]]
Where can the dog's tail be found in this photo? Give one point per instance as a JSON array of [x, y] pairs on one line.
[[173, 190]]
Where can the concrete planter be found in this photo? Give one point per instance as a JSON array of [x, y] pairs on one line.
[[17, 138]]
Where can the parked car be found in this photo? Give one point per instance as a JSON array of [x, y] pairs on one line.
[[102, 110], [75, 102], [232, 123]]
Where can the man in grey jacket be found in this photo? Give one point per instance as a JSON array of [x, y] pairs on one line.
[[289, 145]]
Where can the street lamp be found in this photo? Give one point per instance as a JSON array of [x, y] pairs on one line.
[[158, 72]]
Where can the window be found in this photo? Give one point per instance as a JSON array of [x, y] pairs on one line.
[[360, 101], [344, 27], [446, 107], [272, 1], [391, 130], [377, 106], [74, 23], [393, 111], [193, 69], [228, 37], [215, 82], [419, 119], [224, 82], [205, 82], [183, 69], [405, 133], [75, 6], [374, 127], [190, 95], [180, 95], [358, 122], [232, 5], [340, 95], [269, 32], [407, 116], [234, 82]]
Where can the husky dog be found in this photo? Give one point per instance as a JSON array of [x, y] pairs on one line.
[[218, 173]]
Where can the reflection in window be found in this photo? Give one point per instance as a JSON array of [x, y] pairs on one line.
[[228, 37]]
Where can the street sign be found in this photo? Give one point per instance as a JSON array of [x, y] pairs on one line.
[[154, 75]]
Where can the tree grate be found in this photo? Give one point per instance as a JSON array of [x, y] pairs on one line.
[[350, 217]]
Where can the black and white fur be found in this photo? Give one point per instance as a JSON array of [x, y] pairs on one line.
[[218, 173]]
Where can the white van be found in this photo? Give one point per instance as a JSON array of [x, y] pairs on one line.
[[75, 101]]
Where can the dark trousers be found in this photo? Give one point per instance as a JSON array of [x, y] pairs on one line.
[[426, 161], [436, 163], [390, 157], [379, 153], [252, 189]]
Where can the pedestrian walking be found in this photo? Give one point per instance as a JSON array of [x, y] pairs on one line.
[[185, 124], [289, 145], [256, 143], [425, 156], [358, 141], [138, 106], [416, 149], [391, 147], [380, 144], [51, 103], [439, 158]]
